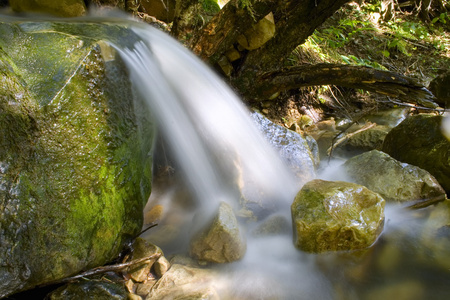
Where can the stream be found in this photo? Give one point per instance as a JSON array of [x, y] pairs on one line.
[[217, 150]]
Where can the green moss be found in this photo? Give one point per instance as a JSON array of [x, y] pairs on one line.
[[75, 172]]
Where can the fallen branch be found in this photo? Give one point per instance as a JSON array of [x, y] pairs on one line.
[[387, 83], [105, 269], [348, 136]]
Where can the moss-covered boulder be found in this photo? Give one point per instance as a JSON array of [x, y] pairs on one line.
[[419, 141], [336, 216], [75, 167], [393, 180]]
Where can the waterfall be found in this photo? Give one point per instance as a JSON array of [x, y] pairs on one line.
[[212, 137], [205, 124]]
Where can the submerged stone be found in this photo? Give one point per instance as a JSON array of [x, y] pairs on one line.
[[75, 169], [141, 249], [221, 241], [336, 216], [393, 180], [185, 282], [94, 290], [419, 141]]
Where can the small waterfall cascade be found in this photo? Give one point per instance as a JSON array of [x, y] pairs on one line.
[[205, 124], [213, 137]]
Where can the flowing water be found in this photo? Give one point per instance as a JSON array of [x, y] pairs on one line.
[[217, 147]]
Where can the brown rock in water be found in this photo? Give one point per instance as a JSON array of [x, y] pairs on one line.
[[185, 282], [141, 249], [336, 216], [221, 241], [393, 180]]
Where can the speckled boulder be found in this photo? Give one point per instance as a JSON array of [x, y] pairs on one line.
[[336, 216]]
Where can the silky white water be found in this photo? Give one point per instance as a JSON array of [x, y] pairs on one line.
[[213, 139]]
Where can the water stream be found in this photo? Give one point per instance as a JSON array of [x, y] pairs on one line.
[[217, 146]]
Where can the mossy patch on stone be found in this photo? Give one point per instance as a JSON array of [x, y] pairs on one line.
[[336, 216], [75, 164]]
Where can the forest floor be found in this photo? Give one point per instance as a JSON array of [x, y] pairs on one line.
[[357, 35]]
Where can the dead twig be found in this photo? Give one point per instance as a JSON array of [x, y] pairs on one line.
[[105, 269]]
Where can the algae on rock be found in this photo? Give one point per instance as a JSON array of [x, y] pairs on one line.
[[75, 168], [393, 180], [336, 216]]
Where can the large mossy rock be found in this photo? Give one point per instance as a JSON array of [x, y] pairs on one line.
[[336, 216], [419, 141], [75, 167], [393, 180]]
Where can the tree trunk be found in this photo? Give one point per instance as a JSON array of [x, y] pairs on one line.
[[359, 77]]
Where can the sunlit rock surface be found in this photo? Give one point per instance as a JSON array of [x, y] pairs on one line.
[[185, 282], [336, 216], [221, 241], [259, 34], [142, 249], [419, 141], [393, 180], [75, 168], [292, 147]]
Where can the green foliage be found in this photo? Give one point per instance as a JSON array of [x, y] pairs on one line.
[[443, 17], [210, 6], [357, 35]]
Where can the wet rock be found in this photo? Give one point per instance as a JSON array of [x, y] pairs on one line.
[[294, 149], [161, 266], [66, 8], [419, 141], [141, 249], [95, 290], [74, 165], [259, 34], [336, 216], [393, 180], [185, 282], [435, 236], [273, 225], [162, 10], [440, 87], [220, 241], [366, 140], [403, 290]]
